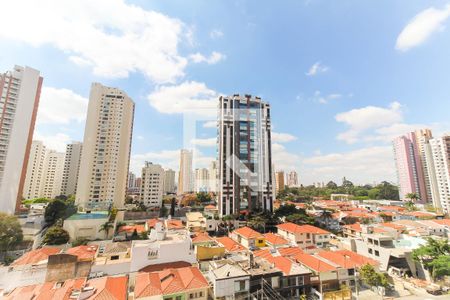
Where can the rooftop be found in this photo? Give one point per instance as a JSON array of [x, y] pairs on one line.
[[294, 228], [248, 233], [275, 239], [89, 216], [36, 256], [229, 244]]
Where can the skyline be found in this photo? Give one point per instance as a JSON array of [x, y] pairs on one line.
[[350, 107]]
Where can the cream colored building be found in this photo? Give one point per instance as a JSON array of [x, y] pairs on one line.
[[279, 181], [35, 171], [185, 176], [213, 175], [71, 168], [20, 91], [169, 181], [152, 185], [102, 180], [52, 175], [292, 179], [201, 180]]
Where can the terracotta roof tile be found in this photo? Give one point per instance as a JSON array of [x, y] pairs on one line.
[[201, 237], [275, 239], [131, 228], [36, 256], [314, 263], [294, 228], [83, 252], [248, 233], [347, 259], [230, 244]]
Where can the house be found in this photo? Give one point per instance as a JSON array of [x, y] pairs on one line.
[[195, 221], [229, 280], [182, 283], [230, 245], [87, 226], [206, 248], [113, 288], [304, 235], [325, 275], [274, 240], [248, 238], [112, 258]]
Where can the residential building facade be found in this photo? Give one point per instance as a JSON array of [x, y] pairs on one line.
[[71, 168], [105, 158], [185, 175], [35, 170], [201, 180], [169, 181], [20, 90], [152, 185], [245, 155], [279, 181], [292, 179], [53, 173]]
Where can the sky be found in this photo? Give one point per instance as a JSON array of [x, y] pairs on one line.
[[343, 77]]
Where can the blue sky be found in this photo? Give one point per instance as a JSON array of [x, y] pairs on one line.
[[343, 77]]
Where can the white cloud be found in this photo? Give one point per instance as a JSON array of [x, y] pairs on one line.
[[216, 33], [361, 166], [113, 37], [61, 106], [325, 99], [187, 97], [283, 159], [140, 137], [421, 27], [210, 142], [279, 137], [210, 124], [370, 117], [214, 58], [317, 68], [56, 142]]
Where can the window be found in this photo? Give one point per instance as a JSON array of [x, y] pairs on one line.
[[115, 257], [377, 253], [239, 285], [351, 272], [370, 251]]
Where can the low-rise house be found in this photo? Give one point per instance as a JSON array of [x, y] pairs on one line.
[[206, 248], [87, 226], [274, 240], [229, 280], [172, 284], [248, 238], [111, 288], [112, 258], [230, 245], [304, 235], [195, 221]]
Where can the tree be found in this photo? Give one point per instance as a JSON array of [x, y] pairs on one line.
[[55, 210], [332, 185], [326, 216], [56, 235], [143, 235], [286, 210], [413, 197], [409, 205], [163, 211], [371, 277], [257, 223], [435, 257], [10, 232], [203, 197], [106, 227], [172, 206], [300, 219], [134, 235]]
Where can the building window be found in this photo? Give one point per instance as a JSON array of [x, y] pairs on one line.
[[377, 253], [239, 285]]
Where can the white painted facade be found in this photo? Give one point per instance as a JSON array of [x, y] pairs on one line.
[[71, 168], [35, 170], [152, 185]]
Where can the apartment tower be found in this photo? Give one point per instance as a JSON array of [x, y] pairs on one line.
[[35, 170], [244, 155], [169, 181], [185, 175], [20, 90], [152, 185], [71, 168], [213, 175], [292, 179], [201, 180], [438, 161], [409, 164], [279, 181], [52, 175], [102, 180]]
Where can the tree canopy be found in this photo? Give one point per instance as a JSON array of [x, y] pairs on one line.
[[10, 232], [371, 277], [435, 256], [56, 236]]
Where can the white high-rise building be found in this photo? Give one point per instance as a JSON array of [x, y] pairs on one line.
[[131, 180], [102, 180], [71, 168], [438, 161], [245, 155], [20, 90], [52, 175], [292, 179], [169, 181], [185, 175], [213, 175], [422, 138], [35, 171], [152, 185], [201, 180]]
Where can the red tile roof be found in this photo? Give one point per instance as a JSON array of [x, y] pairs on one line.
[[105, 288], [393, 225], [131, 228], [174, 224], [445, 222], [201, 237], [314, 263], [169, 281], [163, 266], [210, 207], [294, 228], [83, 252], [290, 251], [355, 227], [248, 233], [230, 244], [391, 207], [275, 239], [35, 256], [347, 259]]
